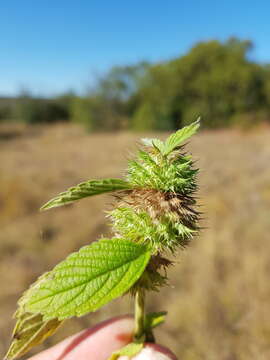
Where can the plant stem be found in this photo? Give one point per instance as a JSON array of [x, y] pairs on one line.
[[139, 314]]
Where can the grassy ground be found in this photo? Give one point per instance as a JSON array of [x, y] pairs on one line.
[[219, 299]]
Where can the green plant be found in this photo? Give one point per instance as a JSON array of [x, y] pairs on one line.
[[154, 215]]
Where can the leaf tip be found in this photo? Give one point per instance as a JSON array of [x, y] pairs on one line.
[[197, 123], [43, 208], [47, 206]]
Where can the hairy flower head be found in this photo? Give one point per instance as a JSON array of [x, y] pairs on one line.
[[160, 208]]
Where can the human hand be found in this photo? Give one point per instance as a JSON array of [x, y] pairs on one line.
[[100, 341]]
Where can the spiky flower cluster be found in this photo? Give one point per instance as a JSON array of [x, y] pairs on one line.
[[160, 208]]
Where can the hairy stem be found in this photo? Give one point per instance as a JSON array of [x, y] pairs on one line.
[[139, 314]]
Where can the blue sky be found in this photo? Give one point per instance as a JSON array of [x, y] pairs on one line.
[[55, 45]]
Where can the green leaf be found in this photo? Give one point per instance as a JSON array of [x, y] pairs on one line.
[[154, 319], [158, 144], [179, 137], [30, 330], [87, 279], [85, 189], [129, 350]]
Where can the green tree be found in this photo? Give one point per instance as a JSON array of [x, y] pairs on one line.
[[216, 80]]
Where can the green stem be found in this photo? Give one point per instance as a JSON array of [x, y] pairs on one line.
[[139, 314]]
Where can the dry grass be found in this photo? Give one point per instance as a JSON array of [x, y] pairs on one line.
[[219, 306]]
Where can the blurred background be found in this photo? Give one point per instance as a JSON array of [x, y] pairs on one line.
[[81, 83]]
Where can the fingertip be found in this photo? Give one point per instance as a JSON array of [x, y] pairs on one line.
[[153, 352]]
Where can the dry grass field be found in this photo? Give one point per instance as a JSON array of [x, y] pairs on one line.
[[219, 298]]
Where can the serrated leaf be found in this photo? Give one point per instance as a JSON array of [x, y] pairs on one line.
[[154, 319], [179, 137], [85, 189], [30, 330], [158, 144], [129, 350], [87, 279]]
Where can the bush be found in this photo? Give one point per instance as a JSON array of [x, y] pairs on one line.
[[5, 113], [34, 111], [97, 114], [81, 112], [249, 120]]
